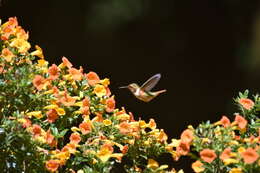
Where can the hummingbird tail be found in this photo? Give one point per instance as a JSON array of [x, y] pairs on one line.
[[161, 91]]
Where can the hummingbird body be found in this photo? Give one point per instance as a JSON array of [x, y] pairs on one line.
[[144, 92]]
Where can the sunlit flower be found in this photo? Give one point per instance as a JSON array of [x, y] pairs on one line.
[[36, 129], [25, 122], [36, 114], [152, 164], [241, 121], [225, 121], [53, 72], [246, 103], [60, 111], [50, 139], [52, 165], [249, 156], [52, 115], [197, 166], [110, 104], [208, 155], [225, 154], [67, 100], [100, 90], [38, 52], [21, 44], [75, 138], [76, 74], [38, 82], [107, 122], [183, 148], [105, 152], [236, 170], [66, 62], [7, 54], [187, 136], [20, 33], [92, 78], [229, 161], [125, 128], [85, 127]]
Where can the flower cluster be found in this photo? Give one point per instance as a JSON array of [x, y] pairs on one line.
[[68, 115], [225, 146]]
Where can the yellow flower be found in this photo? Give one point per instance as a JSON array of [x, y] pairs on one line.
[[80, 104], [236, 170], [197, 166], [21, 45], [105, 152], [230, 161], [175, 142], [123, 117], [205, 140], [53, 106], [142, 124], [38, 52], [107, 122], [100, 90], [42, 63], [152, 164], [75, 129], [80, 171], [36, 114], [60, 111], [241, 150], [105, 82], [233, 142]]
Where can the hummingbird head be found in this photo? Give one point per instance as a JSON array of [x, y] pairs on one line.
[[133, 87]]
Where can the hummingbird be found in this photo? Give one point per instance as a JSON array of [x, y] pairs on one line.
[[144, 92]]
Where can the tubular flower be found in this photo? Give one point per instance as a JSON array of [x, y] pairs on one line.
[[246, 103], [105, 152], [110, 104], [22, 45], [52, 165], [183, 148], [225, 121], [38, 82], [85, 127], [53, 72], [38, 52], [187, 135], [75, 138], [92, 78], [152, 164], [241, 121], [76, 74], [236, 170], [197, 166], [208, 155], [7, 54], [52, 115], [66, 62], [249, 155], [100, 90]]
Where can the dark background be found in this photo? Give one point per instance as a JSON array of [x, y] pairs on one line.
[[206, 50]]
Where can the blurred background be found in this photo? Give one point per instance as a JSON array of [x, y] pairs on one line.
[[207, 51]]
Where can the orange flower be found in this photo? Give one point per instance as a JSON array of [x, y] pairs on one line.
[[208, 155], [70, 147], [75, 138], [125, 128], [66, 62], [53, 72], [92, 78], [249, 156], [27, 123], [67, 100], [183, 148], [246, 103], [7, 54], [85, 128], [225, 121], [76, 74], [187, 136], [36, 129], [105, 152], [225, 154], [52, 115], [110, 104], [197, 166], [38, 82], [241, 121], [50, 139], [124, 149], [52, 165]]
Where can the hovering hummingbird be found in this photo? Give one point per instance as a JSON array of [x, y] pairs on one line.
[[144, 92]]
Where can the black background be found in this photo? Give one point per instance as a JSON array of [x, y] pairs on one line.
[[199, 47]]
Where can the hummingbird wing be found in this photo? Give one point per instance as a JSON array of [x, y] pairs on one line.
[[150, 83]]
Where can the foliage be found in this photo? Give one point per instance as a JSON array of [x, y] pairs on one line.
[[60, 119]]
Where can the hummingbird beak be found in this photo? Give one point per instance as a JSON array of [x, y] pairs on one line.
[[123, 87]]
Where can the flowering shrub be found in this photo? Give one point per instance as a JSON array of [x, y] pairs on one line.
[[225, 146], [56, 118]]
